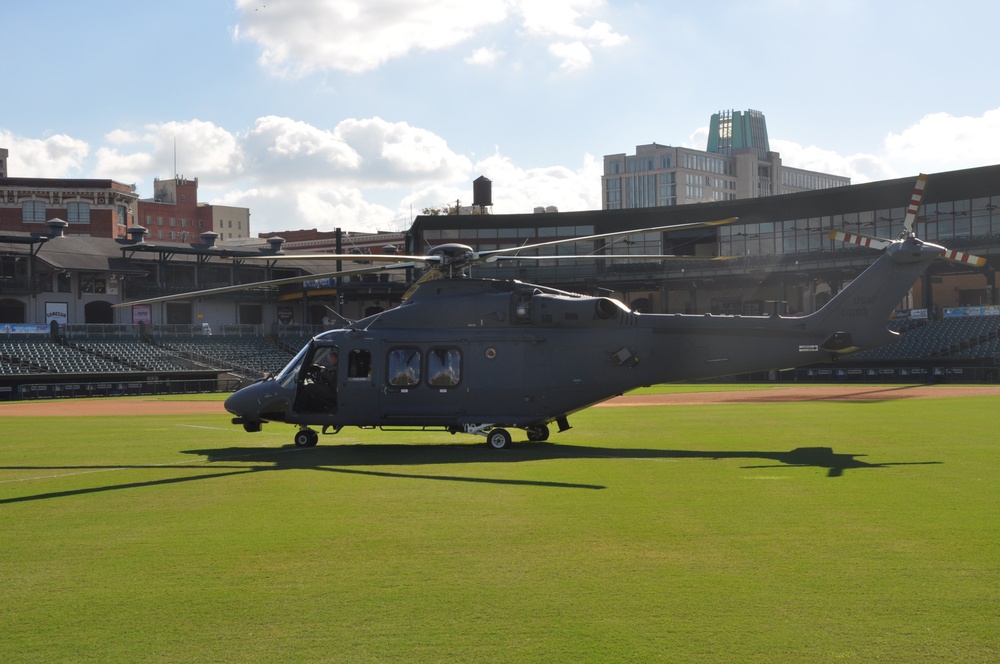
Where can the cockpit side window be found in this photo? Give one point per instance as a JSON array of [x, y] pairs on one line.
[[403, 367], [359, 364]]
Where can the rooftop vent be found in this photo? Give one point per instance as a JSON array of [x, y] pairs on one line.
[[208, 238], [57, 228], [136, 234], [275, 243]]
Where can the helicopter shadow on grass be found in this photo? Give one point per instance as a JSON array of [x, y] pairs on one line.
[[359, 460], [340, 458]]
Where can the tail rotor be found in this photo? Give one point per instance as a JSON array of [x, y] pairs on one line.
[[912, 209]]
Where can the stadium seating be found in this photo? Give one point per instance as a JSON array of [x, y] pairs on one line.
[[248, 356], [955, 338]]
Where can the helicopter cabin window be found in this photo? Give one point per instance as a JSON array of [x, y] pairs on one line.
[[444, 367], [404, 367], [359, 365]]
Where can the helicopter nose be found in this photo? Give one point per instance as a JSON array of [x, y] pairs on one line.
[[244, 402]]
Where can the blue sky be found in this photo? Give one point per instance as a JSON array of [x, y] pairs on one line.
[[359, 113]]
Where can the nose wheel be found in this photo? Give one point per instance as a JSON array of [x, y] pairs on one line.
[[306, 438]]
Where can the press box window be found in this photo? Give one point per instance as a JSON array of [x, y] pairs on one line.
[[444, 367], [404, 367]]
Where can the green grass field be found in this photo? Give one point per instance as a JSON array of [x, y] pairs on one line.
[[722, 533]]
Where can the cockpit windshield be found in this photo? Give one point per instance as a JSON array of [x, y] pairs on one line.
[[286, 377]]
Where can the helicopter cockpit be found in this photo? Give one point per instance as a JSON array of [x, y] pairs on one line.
[[317, 379]]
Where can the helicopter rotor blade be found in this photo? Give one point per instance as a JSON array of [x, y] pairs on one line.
[[262, 284], [429, 275], [486, 255], [605, 257], [357, 258]]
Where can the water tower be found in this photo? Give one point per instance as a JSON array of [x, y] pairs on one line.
[[482, 193]]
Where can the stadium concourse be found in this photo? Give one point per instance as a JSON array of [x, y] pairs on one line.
[[762, 394]]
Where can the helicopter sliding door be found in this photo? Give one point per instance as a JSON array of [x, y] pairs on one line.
[[422, 384], [357, 391]]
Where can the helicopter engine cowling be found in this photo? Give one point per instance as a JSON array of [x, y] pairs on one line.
[[567, 311]]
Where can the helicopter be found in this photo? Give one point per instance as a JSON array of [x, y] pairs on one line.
[[486, 356]]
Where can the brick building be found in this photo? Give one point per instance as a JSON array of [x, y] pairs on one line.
[[174, 214], [92, 208]]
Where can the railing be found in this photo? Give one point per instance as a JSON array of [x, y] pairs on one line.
[[198, 329], [99, 331]]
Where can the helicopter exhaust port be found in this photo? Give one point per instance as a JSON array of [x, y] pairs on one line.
[[606, 308]]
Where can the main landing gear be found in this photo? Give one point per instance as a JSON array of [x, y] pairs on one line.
[[498, 438]]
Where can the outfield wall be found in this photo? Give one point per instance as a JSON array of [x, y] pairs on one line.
[[82, 385]]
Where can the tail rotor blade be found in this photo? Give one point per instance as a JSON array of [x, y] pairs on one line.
[[862, 240], [963, 258], [914, 206]]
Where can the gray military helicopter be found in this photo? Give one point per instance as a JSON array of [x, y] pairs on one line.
[[483, 356]]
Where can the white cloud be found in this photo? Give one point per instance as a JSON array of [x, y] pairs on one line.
[[859, 167], [561, 19], [324, 206], [484, 56], [289, 173], [53, 157], [941, 141], [301, 36], [937, 142], [199, 148], [290, 150], [573, 55], [298, 37], [400, 152], [517, 189]]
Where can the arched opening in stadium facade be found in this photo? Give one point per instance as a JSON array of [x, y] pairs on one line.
[[12, 311], [98, 312]]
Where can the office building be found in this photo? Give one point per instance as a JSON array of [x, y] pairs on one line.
[[737, 164]]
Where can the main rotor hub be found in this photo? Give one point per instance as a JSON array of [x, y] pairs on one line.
[[452, 254]]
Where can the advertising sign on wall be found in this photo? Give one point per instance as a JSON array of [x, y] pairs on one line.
[[56, 311], [142, 313]]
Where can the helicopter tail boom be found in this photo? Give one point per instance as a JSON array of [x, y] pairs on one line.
[[856, 317]]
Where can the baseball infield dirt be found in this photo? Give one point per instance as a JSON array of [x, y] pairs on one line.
[[766, 394]]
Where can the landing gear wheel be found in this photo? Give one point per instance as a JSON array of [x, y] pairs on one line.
[[306, 438], [498, 439], [537, 433]]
